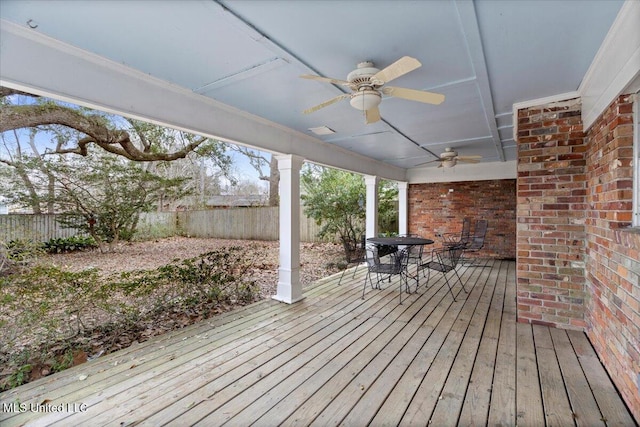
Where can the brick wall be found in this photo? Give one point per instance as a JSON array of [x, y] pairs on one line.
[[434, 209], [551, 215], [613, 250], [578, 259]]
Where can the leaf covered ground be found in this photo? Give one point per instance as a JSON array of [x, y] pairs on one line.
[[317, 260], [30, 357]]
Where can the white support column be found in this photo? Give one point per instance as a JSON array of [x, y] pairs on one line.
[[403, 208], [289, 286], [371, 183]]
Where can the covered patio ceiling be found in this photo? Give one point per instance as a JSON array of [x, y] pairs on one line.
[[208, 66]]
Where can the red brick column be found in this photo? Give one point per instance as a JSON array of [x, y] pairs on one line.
[[613, 249], [551, 192]]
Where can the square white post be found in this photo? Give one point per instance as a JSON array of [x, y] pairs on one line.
[[403, 207], [371, 183], [289, 286]]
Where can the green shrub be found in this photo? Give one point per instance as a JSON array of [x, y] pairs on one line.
[[62, 245], [23, 250], [63, 312], [204, 281]]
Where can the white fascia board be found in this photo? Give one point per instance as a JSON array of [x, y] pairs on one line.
[[615, 66], [44, 66], [464, 172]]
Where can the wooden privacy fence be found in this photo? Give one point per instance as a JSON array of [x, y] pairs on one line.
[[256, 223], [32, 227]]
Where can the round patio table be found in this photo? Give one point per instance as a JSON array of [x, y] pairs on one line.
[[400, 241]]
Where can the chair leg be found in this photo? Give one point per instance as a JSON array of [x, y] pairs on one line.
[[460, 280], [364, 288], [406, 281], [427, 275], [354, 271], [342, 275], [418, 274], [378, 280], [450, 291]]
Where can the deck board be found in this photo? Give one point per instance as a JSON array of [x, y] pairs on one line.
[[336, 358], [583, 404], [614, 413], [557, 409], [502, 409], [475, 409], [452, 398], [528, 395]]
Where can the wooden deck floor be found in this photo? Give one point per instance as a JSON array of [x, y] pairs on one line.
[[335, 358]]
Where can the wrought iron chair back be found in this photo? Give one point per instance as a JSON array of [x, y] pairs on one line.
[[355, 253], [395, 264], [414, 251], [445, 260], [476, 242], [464, 238]]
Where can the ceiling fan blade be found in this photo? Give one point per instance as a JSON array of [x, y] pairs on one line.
[[372, 115], [414, 95], [430, 161], [399, 68], [468, 160], [325, 79], [468, 157], [327, 103]]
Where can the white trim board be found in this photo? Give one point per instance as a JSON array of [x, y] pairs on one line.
[[464, 172], [615, 66]]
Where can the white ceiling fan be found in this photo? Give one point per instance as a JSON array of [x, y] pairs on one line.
[[450, 158], [368, 86]]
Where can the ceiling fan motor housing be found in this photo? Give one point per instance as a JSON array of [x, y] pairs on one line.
[[362, 75], [448, 154]]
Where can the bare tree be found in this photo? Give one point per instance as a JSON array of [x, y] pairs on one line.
[[260, 162], [22, 162]]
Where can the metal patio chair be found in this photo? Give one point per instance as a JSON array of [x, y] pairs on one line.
[[476, 241], [414, 252], [394, 264], [445, 260], [457, 239], [355, 253]]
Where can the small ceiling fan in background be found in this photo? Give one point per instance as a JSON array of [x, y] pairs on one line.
[[368, 86], [450, 158]]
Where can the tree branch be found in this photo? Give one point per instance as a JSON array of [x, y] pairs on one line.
[[113, 140]]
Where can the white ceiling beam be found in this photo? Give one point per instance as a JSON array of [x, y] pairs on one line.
[[469, 24], [44, 66]]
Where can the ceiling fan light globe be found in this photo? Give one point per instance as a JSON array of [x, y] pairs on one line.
[[365, 100], [448, 163]]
